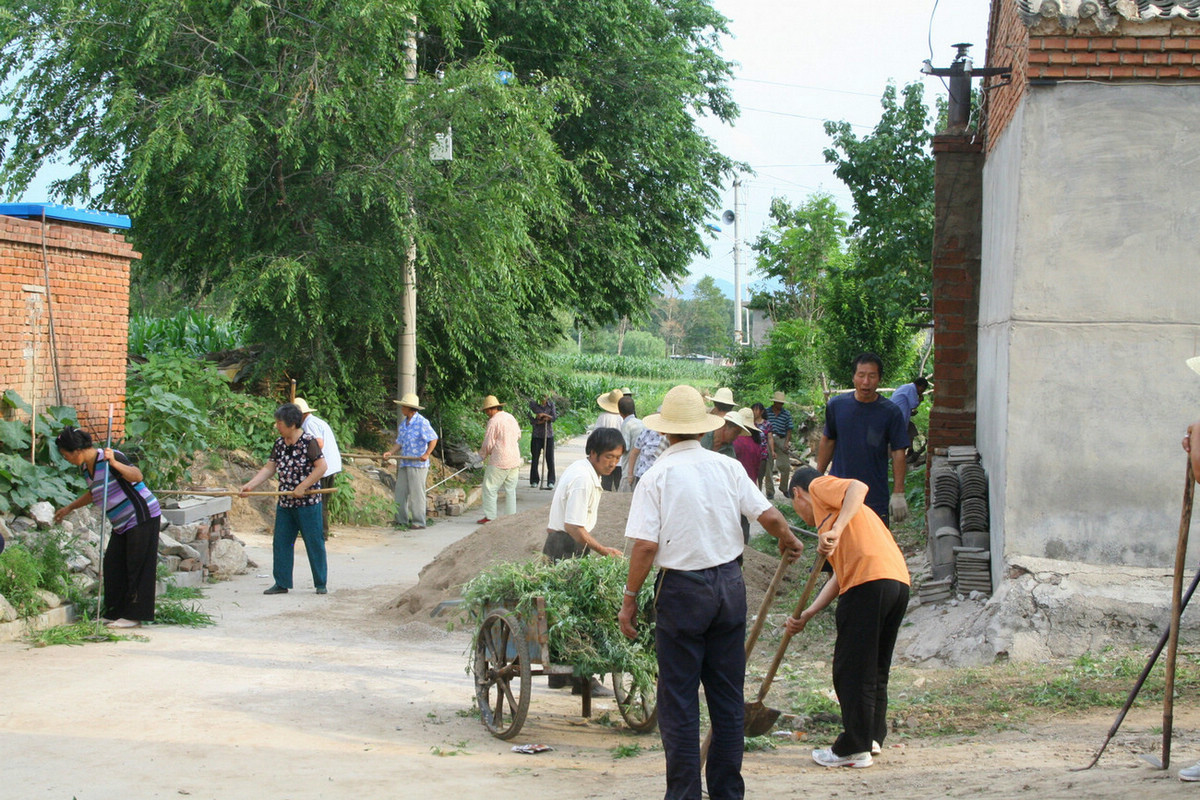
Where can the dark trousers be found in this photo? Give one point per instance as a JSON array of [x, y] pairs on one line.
[[130, 570], [327, 482], [868, 620], [612, 481], [535, 451], [700, 633]]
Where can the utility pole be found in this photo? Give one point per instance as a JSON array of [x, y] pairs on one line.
[[406, 365], [960, 72], [737, 263]]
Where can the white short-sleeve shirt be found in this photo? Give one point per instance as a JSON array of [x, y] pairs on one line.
[[319, 429], [690, 503], [576, 498]]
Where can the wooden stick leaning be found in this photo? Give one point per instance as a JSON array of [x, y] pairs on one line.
[[235, 493], [1185, 523]]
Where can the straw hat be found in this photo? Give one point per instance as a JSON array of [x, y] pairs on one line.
[[683, 411], [743, 417], [490, 402], [410, 400], [608, 401], [779, 397], [302, 404], [1194, 363], [625, 390], [722, 395]]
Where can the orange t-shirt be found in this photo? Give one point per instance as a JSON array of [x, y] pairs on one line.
[[866, 550]]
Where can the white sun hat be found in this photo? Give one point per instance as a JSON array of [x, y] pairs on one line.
[[608, 401], [683, 411], [410, 400], [723, 395]]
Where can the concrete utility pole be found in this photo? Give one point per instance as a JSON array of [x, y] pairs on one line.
[[737, 263], [406, 366]]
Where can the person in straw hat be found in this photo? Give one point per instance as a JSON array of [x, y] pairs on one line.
[[501, 453], [684, 520], [722, 400], [781, 441], [610, 417], [415, 440]]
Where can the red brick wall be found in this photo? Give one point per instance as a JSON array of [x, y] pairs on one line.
[[1008, 46], [1157, 50], [89, 297], [1096, 57], [958, 222]]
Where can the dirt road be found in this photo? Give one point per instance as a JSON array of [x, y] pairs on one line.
[[306, 696]]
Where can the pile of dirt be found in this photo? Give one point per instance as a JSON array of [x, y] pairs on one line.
[[520, 538]]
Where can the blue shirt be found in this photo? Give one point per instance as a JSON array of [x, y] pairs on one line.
[[907, 399], [414, 435], [865, 434], [781, 421]]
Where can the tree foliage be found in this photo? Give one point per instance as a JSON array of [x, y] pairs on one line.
[[890, 176], [798, 249], [277, 147], [855, 321]]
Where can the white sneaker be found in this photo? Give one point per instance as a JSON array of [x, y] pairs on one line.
[[826, 758], [1191, 773], [876, 749]]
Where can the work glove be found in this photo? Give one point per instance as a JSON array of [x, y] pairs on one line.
[[898, 507]]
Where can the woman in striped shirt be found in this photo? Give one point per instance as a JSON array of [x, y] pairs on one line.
[[131, 560]]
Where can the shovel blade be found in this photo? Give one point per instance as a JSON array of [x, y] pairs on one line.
[[759, 719]]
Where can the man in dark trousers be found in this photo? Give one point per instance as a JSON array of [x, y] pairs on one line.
[[863, 431], [684, 520], [541, 440], [871, 582]]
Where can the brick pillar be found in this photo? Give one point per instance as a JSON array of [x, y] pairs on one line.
[[958, 227]]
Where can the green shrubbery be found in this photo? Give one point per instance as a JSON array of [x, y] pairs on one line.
[[49, 477], [189, 332], [37, 562]]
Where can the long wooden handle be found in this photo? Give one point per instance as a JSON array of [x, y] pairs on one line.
[[787, 637], [235, 493], [768, 598], [1185, 524]]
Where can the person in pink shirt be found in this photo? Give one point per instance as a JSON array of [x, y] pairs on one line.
[[501, 453]]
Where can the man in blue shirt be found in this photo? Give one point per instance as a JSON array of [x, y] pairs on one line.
[[863, 429], [415, 440], [781, 436]]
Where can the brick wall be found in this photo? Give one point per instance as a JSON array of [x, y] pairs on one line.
[[958, 193], [1133, 50], [89, 297], [1008, 46]]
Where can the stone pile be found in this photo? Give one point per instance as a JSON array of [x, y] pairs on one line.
[[200, 547]]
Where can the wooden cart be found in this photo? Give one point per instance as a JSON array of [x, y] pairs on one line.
[[510, 649]]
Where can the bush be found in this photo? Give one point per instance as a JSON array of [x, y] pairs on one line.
[[50, 477], [189, 333], [854, 323]]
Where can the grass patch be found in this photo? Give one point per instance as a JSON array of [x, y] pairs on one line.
[[628, 750], [79, 633], [176, 612]]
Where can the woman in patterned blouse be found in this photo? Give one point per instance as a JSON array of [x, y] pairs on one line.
[[131, 558], [297, 458]]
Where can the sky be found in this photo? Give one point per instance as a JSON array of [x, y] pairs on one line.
[[798, 64]]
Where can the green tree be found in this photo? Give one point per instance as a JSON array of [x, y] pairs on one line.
[[645, 69], [279, 148], [798, 249], [890, 176], [708, 318], [855, 322]]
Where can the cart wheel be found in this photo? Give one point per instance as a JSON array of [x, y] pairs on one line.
[[637, 703], [502, 675]]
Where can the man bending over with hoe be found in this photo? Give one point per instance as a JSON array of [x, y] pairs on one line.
[[870, 580]]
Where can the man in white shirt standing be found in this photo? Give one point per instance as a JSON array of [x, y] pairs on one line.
[[501, 453], [631, 429], [320, 430], [684, 519]]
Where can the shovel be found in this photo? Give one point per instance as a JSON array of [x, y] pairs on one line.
[[752, 638], [760, 718]]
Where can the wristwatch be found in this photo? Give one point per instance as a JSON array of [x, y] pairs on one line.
[[628, 593]]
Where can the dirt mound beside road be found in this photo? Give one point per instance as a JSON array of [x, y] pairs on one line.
[[520, 537]]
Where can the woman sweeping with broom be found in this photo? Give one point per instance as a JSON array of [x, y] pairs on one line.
[[131, 560]]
